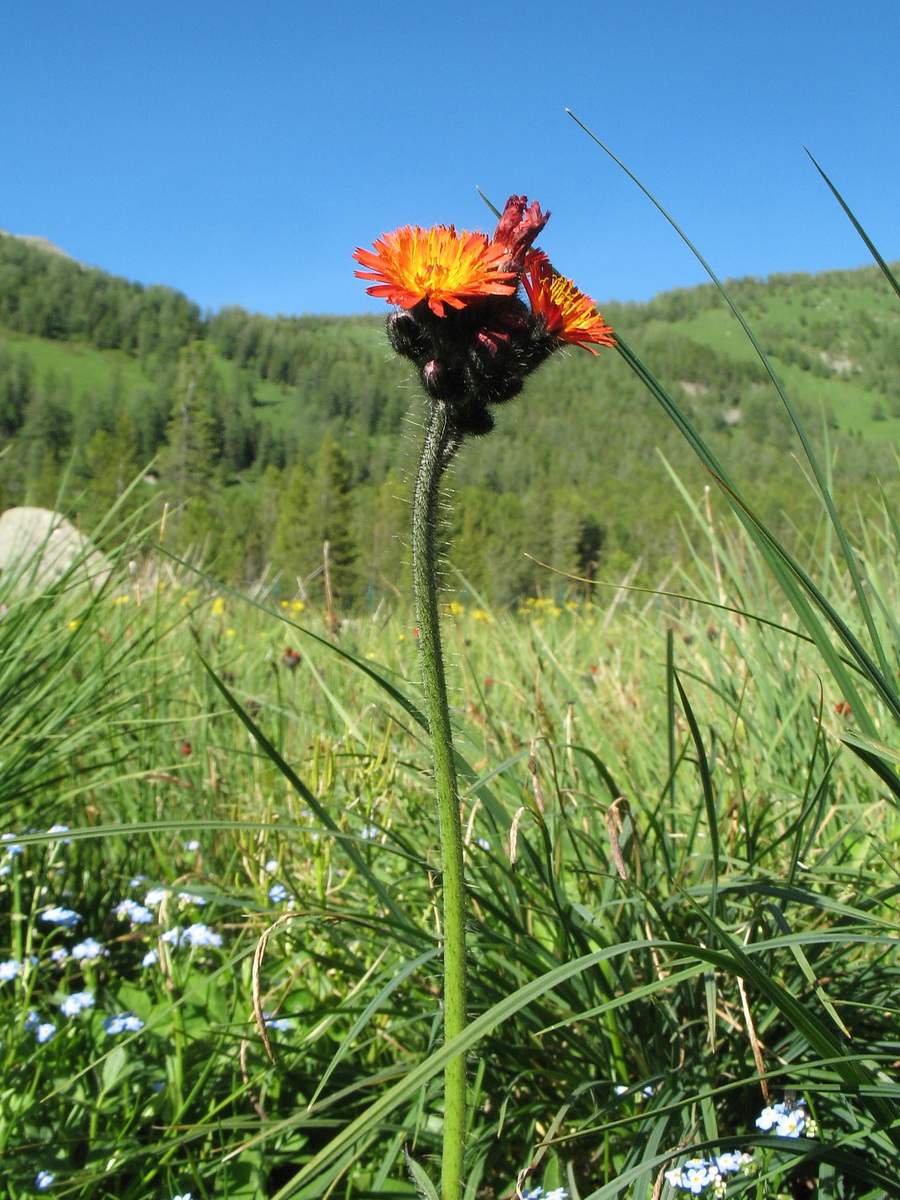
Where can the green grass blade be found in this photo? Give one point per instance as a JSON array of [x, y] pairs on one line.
[[870, 245]]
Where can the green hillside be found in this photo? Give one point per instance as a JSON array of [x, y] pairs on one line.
[[273, 436]]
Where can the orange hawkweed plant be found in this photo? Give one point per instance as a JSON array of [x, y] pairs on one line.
[[474, 340]]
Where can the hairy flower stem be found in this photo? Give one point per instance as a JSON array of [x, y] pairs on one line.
[[441, 443]]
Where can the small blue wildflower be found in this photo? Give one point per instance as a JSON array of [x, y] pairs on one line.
[[730, 1161], [277, 893], [55, 915], [130, 910], [61, 829], [674, 1177], [150, 959], [192, 845], [76, 1003], [59, 954], [696, 1174], [172, 937], [791, 1121], [123, 1023], [271, 866], [5, 869], [12, 846], [483, 843], [201, 935], [89, 948], [43, 1180], [155, 897], [183, 1196], [369, 831], [10, 969], [191, 898], [137, 880], [281, 1024], [45, 1032]]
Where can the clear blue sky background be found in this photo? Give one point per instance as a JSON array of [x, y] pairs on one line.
[[240, 151]]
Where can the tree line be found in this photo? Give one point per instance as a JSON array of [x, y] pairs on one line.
[[283, 445]]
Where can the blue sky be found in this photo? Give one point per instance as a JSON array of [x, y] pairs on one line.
[[241, 151]]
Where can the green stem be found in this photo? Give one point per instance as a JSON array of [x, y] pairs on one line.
[[441, 443]]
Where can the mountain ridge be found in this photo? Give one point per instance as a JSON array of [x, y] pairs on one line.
[[96, 373]]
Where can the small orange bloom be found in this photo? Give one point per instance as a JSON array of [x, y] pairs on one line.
[[438, 265], [568, 313]]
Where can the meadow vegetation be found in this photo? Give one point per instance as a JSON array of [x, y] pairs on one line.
[[220, 857], [680, 876], [270, 436]]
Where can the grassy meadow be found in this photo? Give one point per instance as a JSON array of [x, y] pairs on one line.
[[222, 978], [223, 876]]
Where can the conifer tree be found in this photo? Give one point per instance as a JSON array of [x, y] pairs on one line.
[[188, 464], [291, 549], [317, 509], [109, 465]]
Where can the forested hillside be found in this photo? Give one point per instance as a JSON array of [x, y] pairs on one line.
[[265, 438]]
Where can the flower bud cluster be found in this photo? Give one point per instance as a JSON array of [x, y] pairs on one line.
[[472, 357], [480, 353], [463, 322]]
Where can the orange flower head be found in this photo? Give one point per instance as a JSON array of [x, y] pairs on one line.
[[438, 265], [566, 312]]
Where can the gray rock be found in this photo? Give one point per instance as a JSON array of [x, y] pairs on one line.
[[39, 547]]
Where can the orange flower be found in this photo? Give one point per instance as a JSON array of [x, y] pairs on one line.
[[438, 265], [567, 313]]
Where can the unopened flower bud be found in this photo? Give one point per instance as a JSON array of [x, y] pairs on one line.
[[441, 382], [407, 338]]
